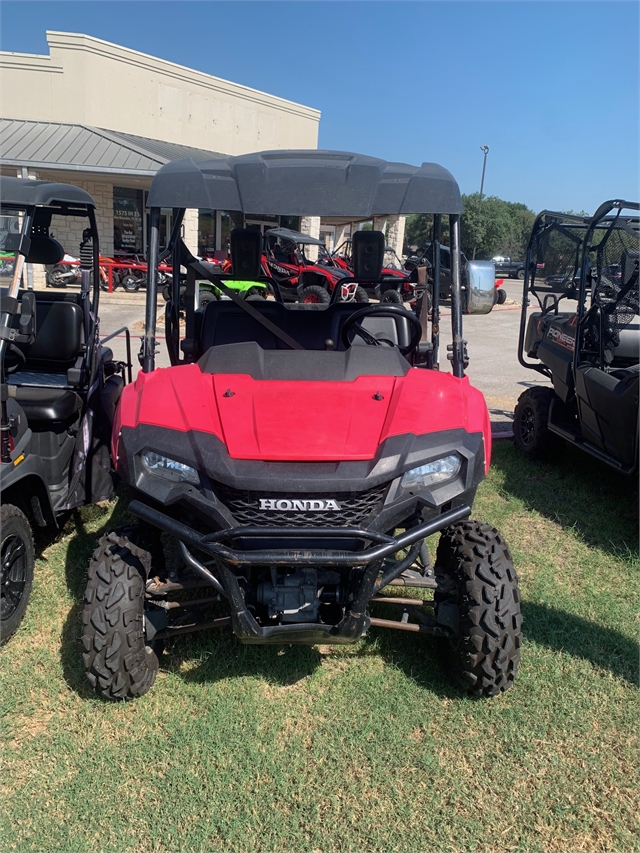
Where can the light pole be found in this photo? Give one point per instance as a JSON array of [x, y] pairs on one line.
[[485, 149]]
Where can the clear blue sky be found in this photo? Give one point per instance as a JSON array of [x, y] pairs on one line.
[[551, 87]]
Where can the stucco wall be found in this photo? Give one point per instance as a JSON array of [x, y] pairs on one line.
[[85, 80]]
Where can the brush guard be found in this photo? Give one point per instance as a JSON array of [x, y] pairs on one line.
[[356, 620]]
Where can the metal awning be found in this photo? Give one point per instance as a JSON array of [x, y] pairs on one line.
[[82, 148]]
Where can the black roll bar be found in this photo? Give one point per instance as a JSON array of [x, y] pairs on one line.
[[435, 294], [456, 298], [149, 340]]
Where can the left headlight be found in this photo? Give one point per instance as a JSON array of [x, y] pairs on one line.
[[169, 468], [432, 473]]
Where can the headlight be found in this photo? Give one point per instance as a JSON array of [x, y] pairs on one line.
[[433, 472], [170, 469]]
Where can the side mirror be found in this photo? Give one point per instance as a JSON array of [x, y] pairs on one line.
[[481, 280]]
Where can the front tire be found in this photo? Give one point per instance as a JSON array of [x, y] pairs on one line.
[[130, 283], [392, 296], [17, 563], [118, 661], [520, 274], [314, 293], [479, 598], [531, 434], [361, 295]]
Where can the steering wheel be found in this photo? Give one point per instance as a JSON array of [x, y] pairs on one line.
[[21, 359], [352, 323]]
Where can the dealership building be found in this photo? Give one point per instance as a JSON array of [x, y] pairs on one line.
[[106, 118]]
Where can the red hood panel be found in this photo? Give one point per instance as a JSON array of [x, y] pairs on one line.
[[308, 421], [303, 421]]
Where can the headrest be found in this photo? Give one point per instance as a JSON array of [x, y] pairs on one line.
[[368, 254], [44, 250], [246, 253]]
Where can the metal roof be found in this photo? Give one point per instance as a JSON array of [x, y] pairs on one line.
[[77, 147], [306, 182]]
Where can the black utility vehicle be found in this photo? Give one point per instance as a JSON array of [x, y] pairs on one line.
[[59, 387], [295, 456], [589, 351]]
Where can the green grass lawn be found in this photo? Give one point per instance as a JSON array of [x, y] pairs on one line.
[[359, 749]]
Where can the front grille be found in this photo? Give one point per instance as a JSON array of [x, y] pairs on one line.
[[355, 507]]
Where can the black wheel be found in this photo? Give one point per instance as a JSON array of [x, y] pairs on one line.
[[531, 434], [57, 277], [361, 295], [206, 296], [166, 293], [502, 296], [520, 274], [478, 597], [16, 569], [314, 293], [256, 293], [130, 283], [392, 296], [120, 664]]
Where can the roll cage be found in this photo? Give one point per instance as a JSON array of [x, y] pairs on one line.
[[583, 259], [33, 204], [295, 183]]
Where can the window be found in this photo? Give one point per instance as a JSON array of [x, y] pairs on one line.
[[127, 220], [206, 233]]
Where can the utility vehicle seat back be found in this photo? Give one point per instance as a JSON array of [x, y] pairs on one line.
[[59, 334], [58, 339], [311, 325]]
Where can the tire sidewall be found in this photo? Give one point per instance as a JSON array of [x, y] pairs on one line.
[[13, 522]]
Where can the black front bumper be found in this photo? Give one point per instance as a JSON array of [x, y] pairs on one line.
[[371, 549]]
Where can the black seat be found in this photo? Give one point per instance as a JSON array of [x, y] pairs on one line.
[[311, 325], [42, 384], [47, 406], [58, 339]]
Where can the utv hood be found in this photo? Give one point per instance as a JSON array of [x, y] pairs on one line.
[[302, 420]]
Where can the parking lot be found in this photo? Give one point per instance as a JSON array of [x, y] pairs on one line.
[[492, 344]]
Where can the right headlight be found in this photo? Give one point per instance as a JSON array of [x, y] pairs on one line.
[[431, 473], [170, 469]]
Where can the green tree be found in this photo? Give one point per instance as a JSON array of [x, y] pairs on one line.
[[494, 227]]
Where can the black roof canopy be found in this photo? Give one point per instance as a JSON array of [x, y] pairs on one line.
[[23, 192], [306, 183], [293, 236]]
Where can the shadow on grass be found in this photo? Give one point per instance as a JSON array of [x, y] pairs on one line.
[[576, 491]]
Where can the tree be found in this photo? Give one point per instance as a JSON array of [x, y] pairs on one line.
[[494, 226]]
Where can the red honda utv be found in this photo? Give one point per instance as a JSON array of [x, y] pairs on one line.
[[287, 469], [302, 278]]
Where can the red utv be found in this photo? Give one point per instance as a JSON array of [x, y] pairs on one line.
[[301, 278], [288, 467]]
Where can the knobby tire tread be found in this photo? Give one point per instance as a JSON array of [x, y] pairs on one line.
[[118, 663], [538, 400], [475, 570]]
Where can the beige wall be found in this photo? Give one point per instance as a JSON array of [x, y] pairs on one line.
[[85, 80]]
